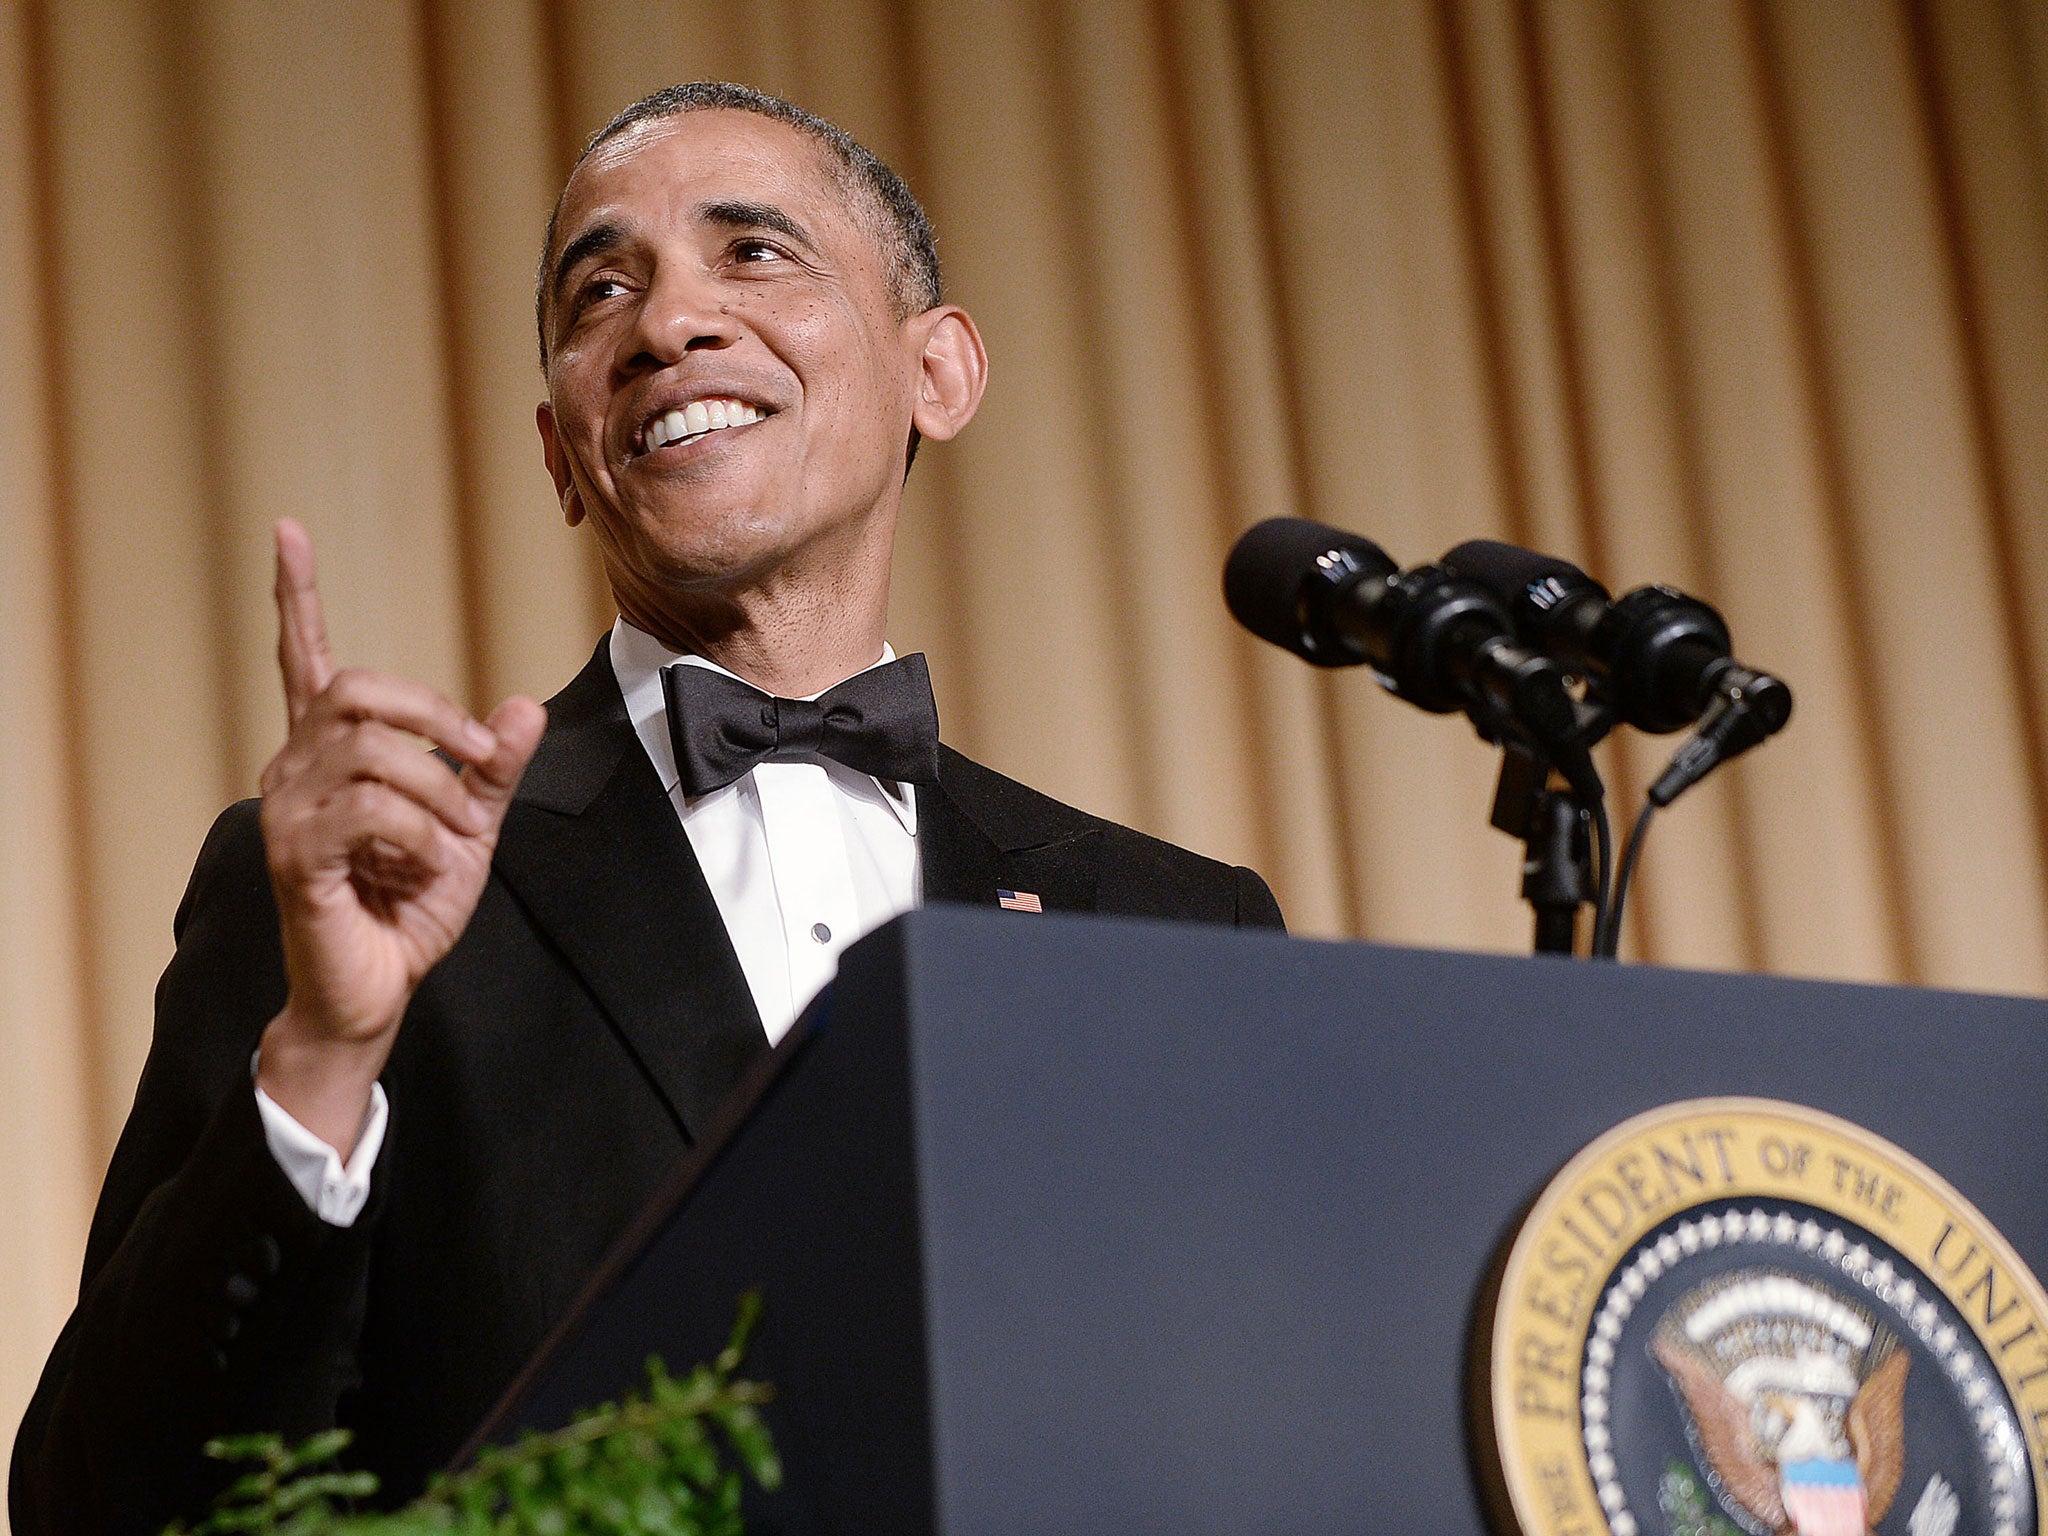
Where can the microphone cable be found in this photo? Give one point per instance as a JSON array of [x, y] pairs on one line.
[[1607, 885], [1607, 931]]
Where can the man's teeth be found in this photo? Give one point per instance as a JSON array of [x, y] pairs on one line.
[[697, 418]]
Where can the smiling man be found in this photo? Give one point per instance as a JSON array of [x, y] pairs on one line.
[[743, 335], [431, 1038]]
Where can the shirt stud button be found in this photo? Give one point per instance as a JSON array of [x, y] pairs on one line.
[[821, 933]]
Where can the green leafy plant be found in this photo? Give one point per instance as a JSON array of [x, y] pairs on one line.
[[1685, 1505], [650, 1465]]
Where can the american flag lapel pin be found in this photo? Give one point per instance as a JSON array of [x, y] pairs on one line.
[[1019, 901]]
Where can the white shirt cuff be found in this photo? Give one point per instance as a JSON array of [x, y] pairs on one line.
[[333, 1192]]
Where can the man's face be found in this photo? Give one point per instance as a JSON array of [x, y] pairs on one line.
[[708, 266]]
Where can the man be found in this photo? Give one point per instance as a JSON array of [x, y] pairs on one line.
[[486, 1010]]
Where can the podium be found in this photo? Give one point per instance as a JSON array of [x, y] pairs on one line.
[[1091, 1225]]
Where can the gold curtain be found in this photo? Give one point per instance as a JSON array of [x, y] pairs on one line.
[[1747, 297]]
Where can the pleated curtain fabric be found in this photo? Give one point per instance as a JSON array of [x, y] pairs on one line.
[[1744, 296]]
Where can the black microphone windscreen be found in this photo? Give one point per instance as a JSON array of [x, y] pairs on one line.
[[1508, 571], [1272, 564]]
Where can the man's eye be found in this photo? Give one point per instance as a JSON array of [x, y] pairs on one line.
[[755, 250], [598, 289]]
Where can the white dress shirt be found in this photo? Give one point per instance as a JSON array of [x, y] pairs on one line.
[[803, 856]]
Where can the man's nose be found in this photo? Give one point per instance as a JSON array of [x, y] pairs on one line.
[[680, 312]]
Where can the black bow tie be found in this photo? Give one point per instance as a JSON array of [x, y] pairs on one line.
[[883, 721]]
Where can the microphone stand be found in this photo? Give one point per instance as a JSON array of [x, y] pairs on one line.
[[1557, 871], [1550, 796]]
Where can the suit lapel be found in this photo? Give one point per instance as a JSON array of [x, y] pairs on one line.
[[593, 851], [978, 833], [960, 862]]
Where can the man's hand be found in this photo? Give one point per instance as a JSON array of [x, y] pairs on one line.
[[378, 854]]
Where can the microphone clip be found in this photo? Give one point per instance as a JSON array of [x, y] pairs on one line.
[[1747, 708]]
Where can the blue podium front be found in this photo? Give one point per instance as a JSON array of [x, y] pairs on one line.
[[1100, 1226]]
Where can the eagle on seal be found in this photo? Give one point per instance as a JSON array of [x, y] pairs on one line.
[[1790, 1433]]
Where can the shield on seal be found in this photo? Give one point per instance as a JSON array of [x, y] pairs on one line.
[[1824, 1498]]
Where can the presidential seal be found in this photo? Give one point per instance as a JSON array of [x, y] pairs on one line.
[[1738, 1317]]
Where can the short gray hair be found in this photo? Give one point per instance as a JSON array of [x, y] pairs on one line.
[[908, 248]]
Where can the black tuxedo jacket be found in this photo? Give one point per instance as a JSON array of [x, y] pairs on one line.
[[550, 1072]]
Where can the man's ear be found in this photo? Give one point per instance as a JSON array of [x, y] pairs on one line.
[[954, 372], [558, 464]]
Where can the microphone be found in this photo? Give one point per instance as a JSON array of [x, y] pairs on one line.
[[1436, 638], [1662, 658], [1659, 658]]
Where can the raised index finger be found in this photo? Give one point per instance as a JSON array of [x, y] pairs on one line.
[[303, 655]]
